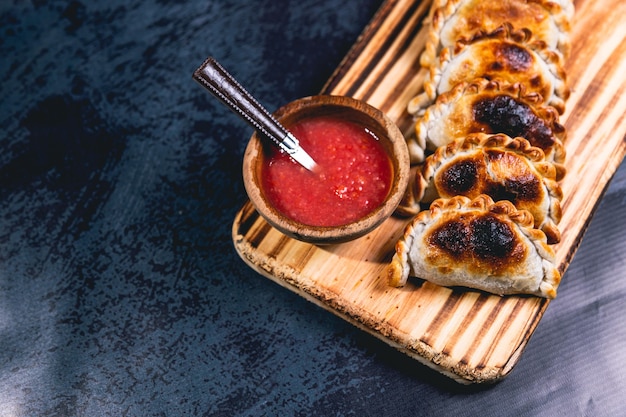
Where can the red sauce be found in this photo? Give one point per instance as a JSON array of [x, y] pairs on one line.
[[353, 176]]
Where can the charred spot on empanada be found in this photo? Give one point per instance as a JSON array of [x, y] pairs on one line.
[[493, 240], [519, 189], [509, 57], [451, 237], [514, 180], [460, 178], [504, 114]]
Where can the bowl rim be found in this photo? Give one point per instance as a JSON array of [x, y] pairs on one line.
[[299, 109]]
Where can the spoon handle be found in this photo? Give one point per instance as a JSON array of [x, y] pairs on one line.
[[221, 84]]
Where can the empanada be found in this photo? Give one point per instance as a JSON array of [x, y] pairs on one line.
[[493, 107], [461, 19], [504, 168], [477, 244], [503, 54], [566, 5]]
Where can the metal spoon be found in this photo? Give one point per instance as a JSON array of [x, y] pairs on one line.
[[212, 76]]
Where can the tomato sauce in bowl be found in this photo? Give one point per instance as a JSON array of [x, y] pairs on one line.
[[362, 171], [353, 176]]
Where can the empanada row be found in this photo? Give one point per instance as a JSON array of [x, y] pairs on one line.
[[488, 148]]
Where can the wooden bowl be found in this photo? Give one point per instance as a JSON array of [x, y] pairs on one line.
[[345, 108]]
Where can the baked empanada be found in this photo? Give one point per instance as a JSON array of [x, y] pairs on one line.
[[501, 167], [477, 244], [503, 54], [455, 20], [492, 107], [566, 5]]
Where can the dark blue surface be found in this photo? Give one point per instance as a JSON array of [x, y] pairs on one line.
[[120, 291]]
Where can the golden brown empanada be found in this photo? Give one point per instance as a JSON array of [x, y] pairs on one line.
[[477, 244], [503, 54], [492, 107], [566, 5], [454, 20], [501, 167]]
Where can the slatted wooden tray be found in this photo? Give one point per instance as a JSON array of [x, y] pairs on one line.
[[470, 336]]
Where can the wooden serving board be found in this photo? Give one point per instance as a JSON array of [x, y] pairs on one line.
[[468, 335]]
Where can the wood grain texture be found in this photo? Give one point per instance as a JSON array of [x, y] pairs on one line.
[[470, 336]]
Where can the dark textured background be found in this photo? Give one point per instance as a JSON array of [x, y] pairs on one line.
[[120, 291]]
